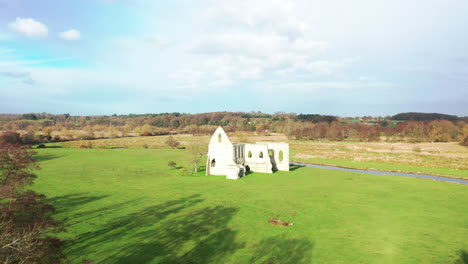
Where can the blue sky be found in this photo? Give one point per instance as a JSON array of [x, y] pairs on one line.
[[348, 58]]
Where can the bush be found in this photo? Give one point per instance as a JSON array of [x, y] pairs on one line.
[[180, 147], [145, 146], [41, 146], [29, 138], [464, 142], [11, 137], [171, 164], [172, 142], [146, 134]]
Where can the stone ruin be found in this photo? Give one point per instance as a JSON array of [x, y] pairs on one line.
[[234, 160]]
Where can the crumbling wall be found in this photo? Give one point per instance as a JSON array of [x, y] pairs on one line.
[[257, 158], [281, 154], [220, 154]]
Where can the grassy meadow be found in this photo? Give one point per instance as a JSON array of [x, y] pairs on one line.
[[445, 159], [128, 206]]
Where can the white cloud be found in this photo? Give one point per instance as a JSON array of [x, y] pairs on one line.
[[71, 34], [29, 27], [268, 39], [278, 16]]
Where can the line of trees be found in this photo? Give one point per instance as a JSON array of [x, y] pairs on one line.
[[414, 116], [302, 126], [412, 131]]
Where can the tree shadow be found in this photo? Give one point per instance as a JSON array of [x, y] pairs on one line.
[[463, 257], [68, 203], [280, 249], [171, 232], [71, 204], [45, 157]]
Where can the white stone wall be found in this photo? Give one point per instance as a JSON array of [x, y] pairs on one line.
[[255, 162], [220, 149], [280, 147]]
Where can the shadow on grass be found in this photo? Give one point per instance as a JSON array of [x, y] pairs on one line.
[[177, 231], [45, 157], [71, 205], [463, 257], [166, 233], [280, 249], [70, 202]]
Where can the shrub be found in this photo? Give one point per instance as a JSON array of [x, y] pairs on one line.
[[145, 146], [464, 138], [172, 142], [464, 141], [11, 137], [41, 146], [88, 135], [180, 147], [29, 138], [171, 164], [146, 134]]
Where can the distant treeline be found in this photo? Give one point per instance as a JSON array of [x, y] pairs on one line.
[[48, 127], [410, 131], [413, 116], [317, 118]]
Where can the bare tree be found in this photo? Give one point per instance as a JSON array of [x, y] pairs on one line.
[[197, 150], [25, 220]]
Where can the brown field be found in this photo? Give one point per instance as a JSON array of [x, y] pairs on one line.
[[449, 155], [159, 141]]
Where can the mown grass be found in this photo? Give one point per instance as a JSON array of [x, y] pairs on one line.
[[128, 206]]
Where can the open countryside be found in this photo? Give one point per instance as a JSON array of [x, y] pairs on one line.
[[233, 132]]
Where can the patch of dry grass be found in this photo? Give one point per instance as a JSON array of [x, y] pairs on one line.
[[449, 155], [151, 142]]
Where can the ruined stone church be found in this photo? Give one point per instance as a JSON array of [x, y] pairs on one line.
[[234, 160]]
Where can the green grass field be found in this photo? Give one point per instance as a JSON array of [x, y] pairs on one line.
[[128, 206]]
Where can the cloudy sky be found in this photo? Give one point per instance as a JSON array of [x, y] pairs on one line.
[[337, 57]]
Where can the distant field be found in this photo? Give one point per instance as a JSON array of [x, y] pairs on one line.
[[449, 159], [128, 206]]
